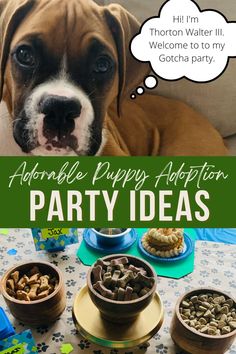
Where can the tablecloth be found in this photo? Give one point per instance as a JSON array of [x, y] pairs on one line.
[[215, 266]]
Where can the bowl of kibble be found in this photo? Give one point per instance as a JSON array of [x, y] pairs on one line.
[[111, 236], [204, 322], [34, 292], [121, 287]]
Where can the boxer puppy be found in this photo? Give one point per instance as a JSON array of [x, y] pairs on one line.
[[66, 74]]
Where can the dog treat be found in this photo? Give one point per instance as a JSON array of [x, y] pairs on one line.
[[165, 243], [121, 294], [110, 232], [33, 291], [103, 290], [128, 293], [44, 285], [143, 279], [10, 284], [107, 279], [209, 313], [129, 275], [43, 294], [31, 286], [22, 295], [137, 270], [15, 276], [97, 273], [103, 264], [121, 281], [34, 278], [119, 261]]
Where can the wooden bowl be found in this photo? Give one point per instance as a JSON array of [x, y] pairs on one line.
[[38, 312], [122, 311], [194, 342]]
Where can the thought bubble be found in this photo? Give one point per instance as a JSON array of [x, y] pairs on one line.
[[185, 42]]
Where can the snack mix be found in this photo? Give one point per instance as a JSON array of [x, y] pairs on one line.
[[165, 243], [120, 281], [209, 313], [31, 286]]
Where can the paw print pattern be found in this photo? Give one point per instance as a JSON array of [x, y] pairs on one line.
[[69, 321], [216, 281], [70, 269], [74, 332], [42, 330], [84, 344], [42, 347], [204, 274], [69, 295], [71, 282], [54, 262], [57, 337], [82, 275], [161, 349], [144, 346], [65, 258]]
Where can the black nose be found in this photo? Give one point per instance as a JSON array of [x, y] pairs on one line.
[[60, 109]]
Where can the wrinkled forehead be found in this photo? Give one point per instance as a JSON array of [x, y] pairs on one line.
[[66, 27]]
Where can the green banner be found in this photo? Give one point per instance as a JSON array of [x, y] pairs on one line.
[[117, 192]]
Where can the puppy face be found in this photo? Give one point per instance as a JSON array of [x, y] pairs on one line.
[[62, 72]]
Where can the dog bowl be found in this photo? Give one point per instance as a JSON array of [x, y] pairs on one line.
[[39, 312], [114, 239], [191, 340], [122, 311]]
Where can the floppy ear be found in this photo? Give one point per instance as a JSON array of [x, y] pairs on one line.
[[12, 12], [124, 27]]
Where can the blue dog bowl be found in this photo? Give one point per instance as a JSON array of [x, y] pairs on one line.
[[111, 240]]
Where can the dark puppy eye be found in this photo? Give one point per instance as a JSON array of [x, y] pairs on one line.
[[24, 55], [103, 65]]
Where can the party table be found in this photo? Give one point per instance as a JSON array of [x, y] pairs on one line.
[[215, 266]]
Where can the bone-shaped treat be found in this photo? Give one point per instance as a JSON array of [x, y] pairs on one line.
[[34, 278], [33, 291], [121, 294], [102, 263], [129, 275], [147, 281], [115, 294], [137, 270], [22, 295], [144, 291], [22, 282], [107, 280], [44, 283], [97, 273], [42, 295], [115, 278], [128, 293], [15, 276], [118, 261], [10, 284], [103, 290]]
